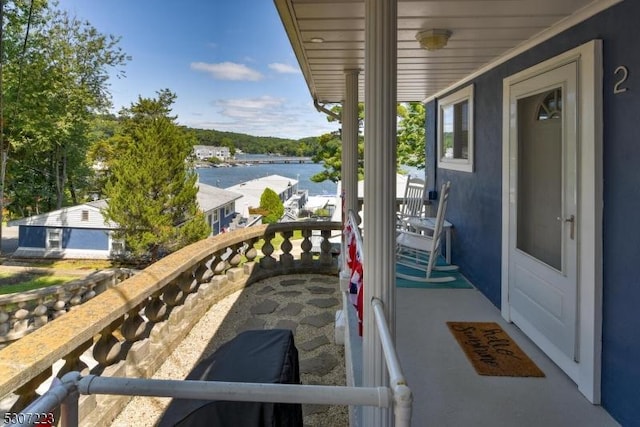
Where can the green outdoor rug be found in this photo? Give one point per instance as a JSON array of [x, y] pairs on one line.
[[460, 281]]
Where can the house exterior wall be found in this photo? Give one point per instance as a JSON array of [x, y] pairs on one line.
[[223, 220], [475, 199], [85, 239], [32, 237], [76, 242]]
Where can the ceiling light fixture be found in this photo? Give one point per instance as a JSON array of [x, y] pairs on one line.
[[433, 39], [316, 40]]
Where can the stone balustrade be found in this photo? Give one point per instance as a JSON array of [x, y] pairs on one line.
[[130, 329], [24, 312]]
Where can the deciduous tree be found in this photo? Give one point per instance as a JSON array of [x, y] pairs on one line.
[[272, 205]]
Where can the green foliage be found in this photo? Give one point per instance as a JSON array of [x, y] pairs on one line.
[[305, 147], [151, 190], [271, 203], [411, 142], [51, 91]]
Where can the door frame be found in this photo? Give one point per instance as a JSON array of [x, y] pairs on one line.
[[588, 57]]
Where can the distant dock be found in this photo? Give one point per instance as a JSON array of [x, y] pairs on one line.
[[271, 160]]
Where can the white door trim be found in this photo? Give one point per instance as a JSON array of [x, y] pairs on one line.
[[587, 372]]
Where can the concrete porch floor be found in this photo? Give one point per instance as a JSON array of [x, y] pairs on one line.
[[446, 389]]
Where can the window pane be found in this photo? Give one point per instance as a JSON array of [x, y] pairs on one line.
[[461, 130], [539, 202], [447, 132]]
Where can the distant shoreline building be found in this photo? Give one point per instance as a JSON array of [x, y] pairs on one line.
[[203, 152]]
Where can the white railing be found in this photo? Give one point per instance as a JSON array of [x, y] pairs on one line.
[[401, 393]]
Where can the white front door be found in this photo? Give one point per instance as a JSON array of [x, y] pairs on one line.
[[543, 210], [551, 210]]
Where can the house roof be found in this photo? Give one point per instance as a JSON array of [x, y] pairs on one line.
[[210, 197], [71, 216], [482, 31], [252, 190]]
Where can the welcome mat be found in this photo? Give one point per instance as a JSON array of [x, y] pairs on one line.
[[491, 351]]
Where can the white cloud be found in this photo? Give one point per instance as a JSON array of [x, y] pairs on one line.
[[228, 71], [265, 116], [284, 68]]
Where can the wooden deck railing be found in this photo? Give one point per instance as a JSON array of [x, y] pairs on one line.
[[129, 329]]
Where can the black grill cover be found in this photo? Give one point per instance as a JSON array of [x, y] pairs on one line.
[[260, 356]]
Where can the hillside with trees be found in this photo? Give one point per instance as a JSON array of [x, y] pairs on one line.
[[305, 147]]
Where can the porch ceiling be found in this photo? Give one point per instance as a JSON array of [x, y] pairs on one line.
[[482, 31]]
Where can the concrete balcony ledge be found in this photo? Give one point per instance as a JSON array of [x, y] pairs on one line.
[[134, 326]]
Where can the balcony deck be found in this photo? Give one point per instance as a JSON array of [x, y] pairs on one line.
[[306, 304], [446, 389]]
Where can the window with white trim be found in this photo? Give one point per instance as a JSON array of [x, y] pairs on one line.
[[117, 246], [227, 209], [215, 216], [54, 239], [455, 131]]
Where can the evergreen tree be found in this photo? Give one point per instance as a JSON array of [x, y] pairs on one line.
[[271, 203], [152, 189]]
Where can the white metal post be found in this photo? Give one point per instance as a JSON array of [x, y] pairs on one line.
[[379, 187]]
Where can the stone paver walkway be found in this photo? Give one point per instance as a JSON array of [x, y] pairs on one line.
[[305, 304]]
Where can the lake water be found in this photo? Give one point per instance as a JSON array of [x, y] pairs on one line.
[[302, 172], [226, 177]]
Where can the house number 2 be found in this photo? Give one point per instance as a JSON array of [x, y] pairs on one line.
[[624, 73]]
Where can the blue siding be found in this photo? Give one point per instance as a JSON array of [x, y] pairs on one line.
[[85, 238], [72, 238], [475, 200], [32, 237]]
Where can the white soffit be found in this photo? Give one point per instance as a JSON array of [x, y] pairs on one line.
[[483, 31]]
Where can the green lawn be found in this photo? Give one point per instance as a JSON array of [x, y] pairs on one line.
[[22, 282], [278, 239]]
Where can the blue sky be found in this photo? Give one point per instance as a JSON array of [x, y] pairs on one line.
[[229, 62]]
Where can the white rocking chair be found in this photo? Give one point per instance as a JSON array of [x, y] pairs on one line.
[[420, 252], [412, 203]]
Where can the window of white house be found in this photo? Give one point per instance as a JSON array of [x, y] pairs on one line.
[[227, 210], [455, 131], [117, 247], [54, 239], [84, 215]]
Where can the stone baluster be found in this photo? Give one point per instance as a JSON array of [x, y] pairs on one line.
[[107, 349], [21, 318], [268, 262], [203, 272], [187, 281], [325, 248], [40, 314], [27, 392], [219, 264], [89, 292], [156, 309], [59, 306], [73, 361], [134, 326], [173, 295], [5, 325], [306, 256], [251, 252], [236, 256], [76, 299], [286, 259]]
